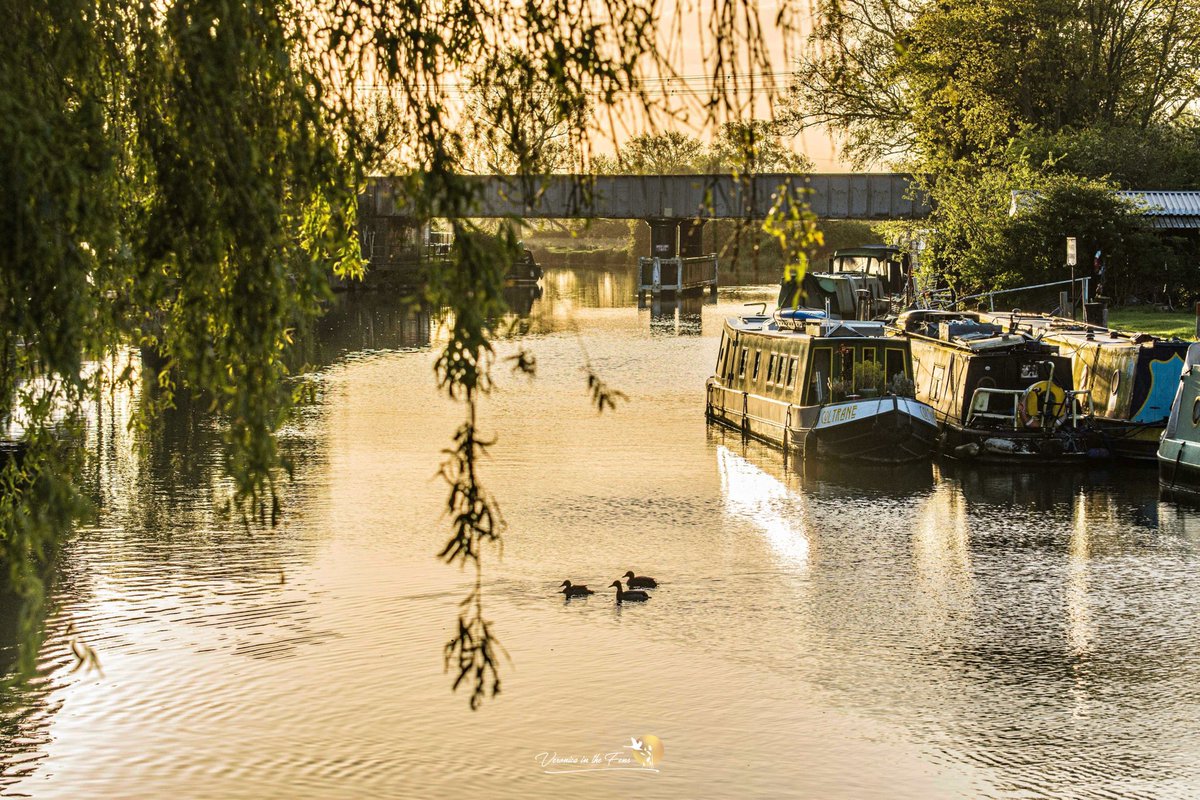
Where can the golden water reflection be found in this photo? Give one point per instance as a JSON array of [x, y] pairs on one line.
[[935, 631]]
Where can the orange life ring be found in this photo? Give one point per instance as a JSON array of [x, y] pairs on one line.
[[1030, 407]]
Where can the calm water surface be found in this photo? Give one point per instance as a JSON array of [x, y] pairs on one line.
[[932, 632]]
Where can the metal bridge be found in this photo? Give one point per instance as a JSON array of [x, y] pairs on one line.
[[676, 207], [865, 196]]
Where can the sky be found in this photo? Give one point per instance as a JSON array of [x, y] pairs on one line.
[[688, 42]]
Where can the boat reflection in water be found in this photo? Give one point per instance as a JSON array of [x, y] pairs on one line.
[[520, 297], [779, 497], [766, 501], [678, 316]]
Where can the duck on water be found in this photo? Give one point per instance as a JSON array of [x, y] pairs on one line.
[[640, 581], [632, 596], [820, 387], [575, 590]]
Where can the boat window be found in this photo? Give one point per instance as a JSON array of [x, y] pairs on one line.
[[818, 377], [771, 369], [757, 361], [868, 354], [791, 375], [720, 356], [935, 384], [893, 362], [742, 362], [779, 369], [1116, 380]]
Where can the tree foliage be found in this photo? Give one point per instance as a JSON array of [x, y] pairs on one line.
[[665, 153], [182, 176], [752, 147], [923, 81], [1063, 100], [518, 123]]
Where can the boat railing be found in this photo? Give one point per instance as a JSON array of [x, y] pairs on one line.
[[981, 405], [991, 296]]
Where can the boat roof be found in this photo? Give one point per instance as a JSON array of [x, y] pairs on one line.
[[816, 328], [978, 335], [869, 250], [1076, 332]]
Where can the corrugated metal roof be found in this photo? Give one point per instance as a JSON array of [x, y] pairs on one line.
[[1168, 209], [1172, 221]]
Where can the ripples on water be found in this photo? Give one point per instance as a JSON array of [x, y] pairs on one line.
[[926, 632]]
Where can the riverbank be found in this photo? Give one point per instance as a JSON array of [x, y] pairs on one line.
[[1160, 323]]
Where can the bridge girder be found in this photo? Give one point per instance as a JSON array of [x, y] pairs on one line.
[[867, 196]]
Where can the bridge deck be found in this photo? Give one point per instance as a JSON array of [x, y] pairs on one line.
[[831, 196]]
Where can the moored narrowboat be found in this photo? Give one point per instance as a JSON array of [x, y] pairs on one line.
[[866, 282], [1130, 378], [999, 396], [820, 388], [1179, 451]]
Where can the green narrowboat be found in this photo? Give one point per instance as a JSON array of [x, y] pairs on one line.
[[820, 388], [1179, 451]]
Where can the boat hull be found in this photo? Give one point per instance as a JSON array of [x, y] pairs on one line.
[[884, 430], [1130, 440], [1179, 469], [990, 446], [1179, 451]]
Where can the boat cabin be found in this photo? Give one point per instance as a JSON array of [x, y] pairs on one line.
[[977, 373], [815, 362], [1129, 376], [861, 282]]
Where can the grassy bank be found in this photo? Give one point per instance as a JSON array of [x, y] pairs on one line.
[[1159, 323]]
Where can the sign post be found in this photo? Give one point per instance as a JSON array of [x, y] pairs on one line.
[[1072, 260]]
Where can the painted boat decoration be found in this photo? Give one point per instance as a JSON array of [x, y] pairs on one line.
[[1179, 451], [1130, 378], [999, 396], [820, 388]]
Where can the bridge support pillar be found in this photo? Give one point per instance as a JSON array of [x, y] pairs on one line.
[[664, 237], [677, 262], [691, 238]]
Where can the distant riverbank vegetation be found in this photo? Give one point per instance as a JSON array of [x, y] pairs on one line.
[[748, 255]]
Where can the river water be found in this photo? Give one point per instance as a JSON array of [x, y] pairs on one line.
[[931, 632]]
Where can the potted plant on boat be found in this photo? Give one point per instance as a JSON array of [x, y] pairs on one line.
[[902, 386], [868, 378]]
